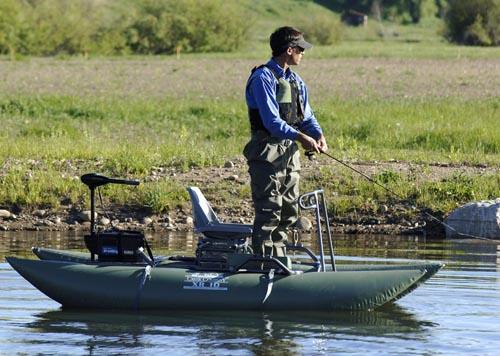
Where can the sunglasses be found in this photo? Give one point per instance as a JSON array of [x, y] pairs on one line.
[[299, 49]]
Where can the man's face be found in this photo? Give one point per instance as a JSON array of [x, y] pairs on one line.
[[296, 55]]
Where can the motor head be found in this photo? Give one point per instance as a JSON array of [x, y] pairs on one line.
[[93, 180]]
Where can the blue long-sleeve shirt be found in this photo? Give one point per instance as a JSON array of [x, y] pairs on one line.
[[261, 94]]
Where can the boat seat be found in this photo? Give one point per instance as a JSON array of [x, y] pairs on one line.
[[207, 223]]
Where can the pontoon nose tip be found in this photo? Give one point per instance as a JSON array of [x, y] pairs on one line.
[[10, 260], [438, 266]]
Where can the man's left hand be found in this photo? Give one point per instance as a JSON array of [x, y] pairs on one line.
[[322, 144]]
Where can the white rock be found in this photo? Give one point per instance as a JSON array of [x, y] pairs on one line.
[[480, 219], [47, 222], [57, 220], [147, 220], [85, 215], [383, 208], [5, 214], [104, 221], [189, 220], [40, 213]]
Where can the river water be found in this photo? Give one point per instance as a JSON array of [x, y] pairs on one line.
[[455, 312]]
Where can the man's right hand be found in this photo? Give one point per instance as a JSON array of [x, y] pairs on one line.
[[308, 143]]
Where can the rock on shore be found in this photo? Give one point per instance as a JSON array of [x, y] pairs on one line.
[[480, 219]]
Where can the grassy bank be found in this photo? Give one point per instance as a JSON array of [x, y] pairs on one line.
[[48, 141], [130, 136], [168, 120], [396, 101]]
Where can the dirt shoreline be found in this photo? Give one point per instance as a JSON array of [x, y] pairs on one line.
[[74, 217]]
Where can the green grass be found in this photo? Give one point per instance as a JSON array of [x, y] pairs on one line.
[[128, 137], [415, 130], [396, 49], [349, 192], [131, 136], [49, 138], [103, 118], [351, 48], [378, 40]]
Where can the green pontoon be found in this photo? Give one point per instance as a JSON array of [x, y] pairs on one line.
[[224, 274]]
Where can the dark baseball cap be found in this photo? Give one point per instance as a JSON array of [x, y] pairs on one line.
[[300, 42], [285, 37]]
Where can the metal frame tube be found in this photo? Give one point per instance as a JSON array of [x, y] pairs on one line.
[[93, 229], [328, 231], [308, 205], [320, 234]]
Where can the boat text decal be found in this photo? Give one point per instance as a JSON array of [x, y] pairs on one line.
[[205, 281]]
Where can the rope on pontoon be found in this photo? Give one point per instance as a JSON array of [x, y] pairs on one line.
[[146, 275], [270, 279]]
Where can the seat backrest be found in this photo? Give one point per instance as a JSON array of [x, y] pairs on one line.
[[203, 213]]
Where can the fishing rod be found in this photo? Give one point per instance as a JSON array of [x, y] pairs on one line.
[[311, 154]]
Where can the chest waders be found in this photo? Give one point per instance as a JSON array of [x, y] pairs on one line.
[[274, 172]]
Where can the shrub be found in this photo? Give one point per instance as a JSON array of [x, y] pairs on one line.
[[62, 27], [191, 26], [52, 27], [14, 29], [324, 29], [473, 22], [418, 9]]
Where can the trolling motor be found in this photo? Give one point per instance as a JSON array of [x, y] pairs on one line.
[[113, 245]]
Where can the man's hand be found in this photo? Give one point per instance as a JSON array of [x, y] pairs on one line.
[[308, 143], [323, 147]]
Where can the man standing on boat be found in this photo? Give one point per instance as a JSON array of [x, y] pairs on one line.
[[280, 115]]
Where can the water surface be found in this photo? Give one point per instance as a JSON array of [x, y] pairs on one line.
[[455, 312]]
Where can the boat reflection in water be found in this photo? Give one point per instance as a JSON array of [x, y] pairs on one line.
[[257, 332]]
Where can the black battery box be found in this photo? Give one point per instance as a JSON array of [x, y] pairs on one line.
[[117, 245]]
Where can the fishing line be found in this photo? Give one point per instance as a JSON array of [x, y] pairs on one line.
[[403, 198]]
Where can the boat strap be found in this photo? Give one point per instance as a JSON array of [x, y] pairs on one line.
[[270, 279], [146, 275]]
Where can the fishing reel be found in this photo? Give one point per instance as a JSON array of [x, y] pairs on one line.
[[311, 155]]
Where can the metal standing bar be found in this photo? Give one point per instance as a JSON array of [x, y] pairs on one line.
[[330, 239], [320, 233], [309, 201], [93, 227]]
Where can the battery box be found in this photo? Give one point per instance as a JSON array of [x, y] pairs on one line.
[[116, 245]]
